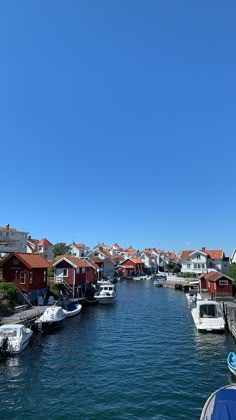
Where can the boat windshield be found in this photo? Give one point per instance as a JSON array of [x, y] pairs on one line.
[[8, 332], [210, 311]]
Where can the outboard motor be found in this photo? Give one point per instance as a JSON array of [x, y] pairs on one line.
[[3, 348]]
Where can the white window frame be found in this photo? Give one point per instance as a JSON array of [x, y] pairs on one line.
[[22, 277], [223, 282], [65, 272]]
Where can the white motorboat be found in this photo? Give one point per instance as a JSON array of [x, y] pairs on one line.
[[72, 309], [51, 318], [208, 316], [106, 294], [157, 283], [14, 338]]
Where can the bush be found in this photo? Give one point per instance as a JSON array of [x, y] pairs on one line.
[[53, 290], [9, 292]]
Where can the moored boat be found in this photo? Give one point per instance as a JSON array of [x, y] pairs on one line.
[[231, 361], [157, 283], [208, 316], [221, 405], [72, 309], [106, 294], [14, 338], [51, 318]]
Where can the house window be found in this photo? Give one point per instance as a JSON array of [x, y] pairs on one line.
[[198, 256], [31, 277], [195, 265], [223, 282], [65, 272], [22, 278], [83, 269], [198, 266], [188, 265], [203, 265]]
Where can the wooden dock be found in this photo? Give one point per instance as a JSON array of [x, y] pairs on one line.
[[230, 316], [26, 317]]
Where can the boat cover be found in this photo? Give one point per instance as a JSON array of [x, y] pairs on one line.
[[225, 405]]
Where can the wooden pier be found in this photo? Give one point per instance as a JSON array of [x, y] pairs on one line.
[[230, 316], [26, 317]]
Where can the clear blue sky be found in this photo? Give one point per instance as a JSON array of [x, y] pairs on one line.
[[118, 121]]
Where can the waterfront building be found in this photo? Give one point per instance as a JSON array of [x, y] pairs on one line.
[[201, 261], [131, 267], [28, 272], [217, 285], [73, 272]]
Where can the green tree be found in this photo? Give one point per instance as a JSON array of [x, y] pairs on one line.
[[232, 272], [61, 249]]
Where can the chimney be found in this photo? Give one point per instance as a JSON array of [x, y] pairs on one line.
[[29, 237], [7, 226], [203, 248]]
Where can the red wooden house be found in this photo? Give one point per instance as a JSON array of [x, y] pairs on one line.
[[27, 271], [131, 267], [74, 271], [218, 285]]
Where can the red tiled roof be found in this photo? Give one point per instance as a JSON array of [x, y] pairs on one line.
[[92, 263], [97, 259], [215, 275], [137, 260], [79, 246], [30, 260], [44, 242], [104, 251], [78, 262], [213, 254]]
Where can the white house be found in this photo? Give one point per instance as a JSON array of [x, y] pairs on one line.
[[203, 261], [45, 248], [12, 240], [79, 250], [150, 261]]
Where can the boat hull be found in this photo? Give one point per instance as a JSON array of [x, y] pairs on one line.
[[106, 300], [47, 325], [231, 361]]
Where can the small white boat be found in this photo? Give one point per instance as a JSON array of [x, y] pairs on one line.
[[72, 309], [189, 297], [51, 318], [208, 316], [157, 283], [14, 338], [106, 294], [221, 405]]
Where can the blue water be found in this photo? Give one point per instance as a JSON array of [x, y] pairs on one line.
[[141, 358]]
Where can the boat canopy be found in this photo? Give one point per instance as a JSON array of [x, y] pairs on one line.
[[225, 405]]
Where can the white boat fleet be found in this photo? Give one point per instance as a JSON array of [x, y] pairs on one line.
[[14, 338]]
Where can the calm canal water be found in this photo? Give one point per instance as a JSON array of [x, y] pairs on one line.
[[140, 358]]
